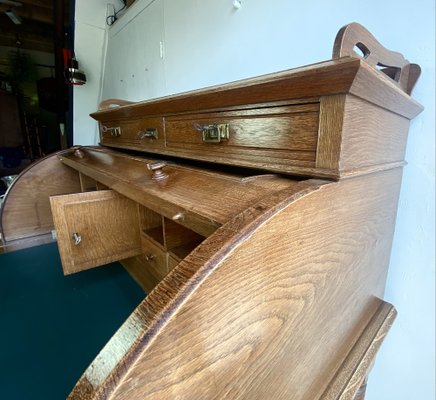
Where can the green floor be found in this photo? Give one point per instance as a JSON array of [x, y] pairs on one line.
[[52, 326]]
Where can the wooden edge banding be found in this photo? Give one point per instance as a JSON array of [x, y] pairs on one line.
[[354, 369], [145, 323], [110, 103], [396, 66], [33, 241], [414, 73], [360, 395], [16, 181]]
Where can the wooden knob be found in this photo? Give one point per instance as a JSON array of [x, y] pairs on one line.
[[78, 153], [156, 168], [178, 217]]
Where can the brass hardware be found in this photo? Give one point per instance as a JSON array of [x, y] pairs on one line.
[[156, 168], [76, 238], [148, 133], [213, 133], [178, 217], [149, 257], [114, 131]]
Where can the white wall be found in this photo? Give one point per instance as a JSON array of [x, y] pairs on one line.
[[89, 46], [209, 42]]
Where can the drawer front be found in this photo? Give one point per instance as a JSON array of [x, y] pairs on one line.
[[289, 128], [142, 133], [155, 258], [95, 228]]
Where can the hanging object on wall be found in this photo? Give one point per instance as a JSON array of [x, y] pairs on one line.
[[237, 4], [73, 75]]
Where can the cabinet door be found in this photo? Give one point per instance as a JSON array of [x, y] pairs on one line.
[[95, 228]]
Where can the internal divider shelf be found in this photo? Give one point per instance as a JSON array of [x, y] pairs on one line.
[[174, 239]]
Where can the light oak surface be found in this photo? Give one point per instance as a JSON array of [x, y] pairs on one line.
[[25, 212], [107, 224], [206, 199], [277, 123], [260, 286], [269, 292], [393, 64], [333, 119]]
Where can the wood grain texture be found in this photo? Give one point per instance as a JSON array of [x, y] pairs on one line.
[[151, 224], [269, 306], [278, 161], [350, 381], [312, 81], [87, 184], [109, 103], [383, 96], [25, 212], [272, 135], [371, 135], [107, 223], [393, 64], [260, 286], [331, 118], [281, 128], [31, 241], [206, 199], [132, 132], [138, 269], [355, 135], [155, 258], [273, 119], [360, 395], [176, 235]]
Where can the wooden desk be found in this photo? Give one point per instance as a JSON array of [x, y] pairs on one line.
[[264, 282]]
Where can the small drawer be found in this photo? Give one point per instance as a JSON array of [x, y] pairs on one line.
[[292, 128], [140, 133], [155, 257]]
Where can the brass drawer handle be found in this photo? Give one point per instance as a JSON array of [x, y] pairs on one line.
[[213, 133], [114, 131], [76, 238], [148, 133]]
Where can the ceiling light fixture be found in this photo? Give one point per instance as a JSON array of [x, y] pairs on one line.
[[14, 17]]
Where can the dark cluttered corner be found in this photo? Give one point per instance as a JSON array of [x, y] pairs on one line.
[[35, 92]]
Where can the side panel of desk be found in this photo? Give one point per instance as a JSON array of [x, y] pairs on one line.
[[277, 303]]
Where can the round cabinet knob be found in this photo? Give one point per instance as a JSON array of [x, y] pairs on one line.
[[156, 168], [78, 153], [178, 217]]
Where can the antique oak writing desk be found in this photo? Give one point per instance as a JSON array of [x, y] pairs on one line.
[[258, 216]]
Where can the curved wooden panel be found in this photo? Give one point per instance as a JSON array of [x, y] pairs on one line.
[[392, 63], [26, 213], [269, 306]]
